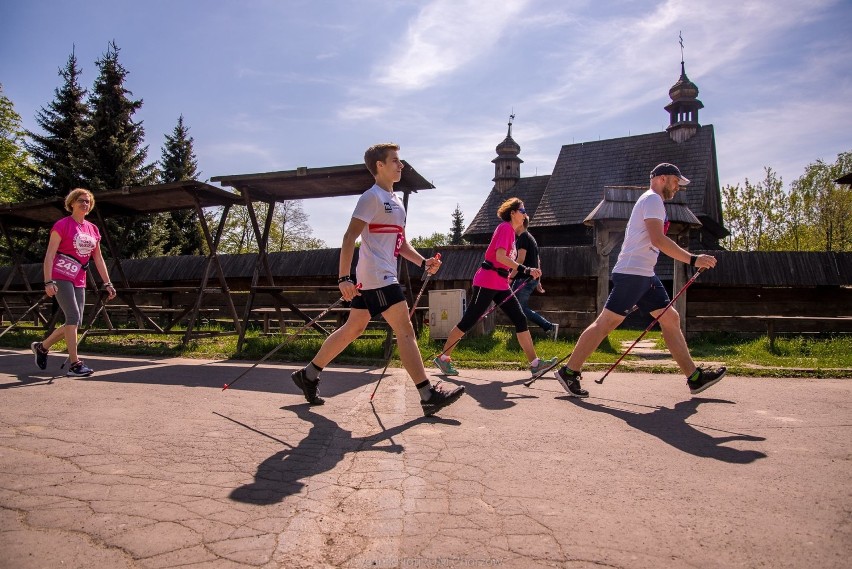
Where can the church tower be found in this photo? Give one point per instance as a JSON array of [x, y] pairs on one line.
[[507, 165], [683, 110]]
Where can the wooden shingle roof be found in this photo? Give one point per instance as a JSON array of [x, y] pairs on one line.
[[780, 268], [583, 170], [734, 268], [528, 190]]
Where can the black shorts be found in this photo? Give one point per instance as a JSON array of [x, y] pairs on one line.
[[378, 300], [647, 293]]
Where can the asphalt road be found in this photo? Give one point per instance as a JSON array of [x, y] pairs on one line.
[[148, 463]]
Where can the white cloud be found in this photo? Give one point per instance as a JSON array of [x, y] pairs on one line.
[[263, 157], [446, 35], [786, 138]]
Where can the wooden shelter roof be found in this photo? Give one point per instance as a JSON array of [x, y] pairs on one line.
[[618, 203], [138, 200], [305, 183]]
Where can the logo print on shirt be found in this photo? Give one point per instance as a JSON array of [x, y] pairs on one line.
[[84, 243], [388, 208]]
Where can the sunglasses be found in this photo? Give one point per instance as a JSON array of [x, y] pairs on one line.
[[84, 201], [522, 210]]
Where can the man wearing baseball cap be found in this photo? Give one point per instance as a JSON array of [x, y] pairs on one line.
[[635, 284]]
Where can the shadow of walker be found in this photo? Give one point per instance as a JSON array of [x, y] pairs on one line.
[[325, 445], [670, 426]]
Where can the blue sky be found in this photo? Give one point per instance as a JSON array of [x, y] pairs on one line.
[[272, 85]]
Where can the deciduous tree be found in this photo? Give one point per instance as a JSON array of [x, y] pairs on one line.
[[289, 230], [755, 214], [437, 239], [15, 164], [826, 206]]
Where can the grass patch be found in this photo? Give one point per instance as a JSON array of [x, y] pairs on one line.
[[792, 356]]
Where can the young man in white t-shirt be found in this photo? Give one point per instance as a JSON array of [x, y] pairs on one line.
[[379, 219], [635, 284]]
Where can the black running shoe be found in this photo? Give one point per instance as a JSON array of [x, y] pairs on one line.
[[442, 396], [570, 382], [706, 378], [308, 387], [40, 354]]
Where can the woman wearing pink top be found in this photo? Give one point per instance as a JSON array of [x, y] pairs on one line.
[[491, 284], [74, 242]]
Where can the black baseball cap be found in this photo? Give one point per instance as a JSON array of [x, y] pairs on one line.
[[669, 169]]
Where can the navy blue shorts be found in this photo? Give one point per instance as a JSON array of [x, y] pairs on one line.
[[378, 300], [628, 291]]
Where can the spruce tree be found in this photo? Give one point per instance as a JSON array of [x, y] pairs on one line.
[[179, 232], [59, 153], [457, 228], [116, 155]]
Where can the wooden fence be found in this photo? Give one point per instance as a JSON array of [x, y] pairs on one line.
[[751, 293]]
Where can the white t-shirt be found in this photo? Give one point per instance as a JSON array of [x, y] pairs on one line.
[[381, 238], [638, 256]]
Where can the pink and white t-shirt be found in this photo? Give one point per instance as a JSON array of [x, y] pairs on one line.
[[503, 238], [78, 240]]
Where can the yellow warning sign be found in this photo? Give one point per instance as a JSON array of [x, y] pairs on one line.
[[444, 315]]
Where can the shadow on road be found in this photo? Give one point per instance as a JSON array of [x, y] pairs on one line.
[[491, 394], [670, 426], [323, 447], [273, 378]]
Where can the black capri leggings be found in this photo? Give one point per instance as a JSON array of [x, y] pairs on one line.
[[482, 298]]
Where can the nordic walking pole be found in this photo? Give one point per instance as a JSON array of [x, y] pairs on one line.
[[288, 338], [86, 333], [651, 325], [410, 315], [422, 288], [21, 317]]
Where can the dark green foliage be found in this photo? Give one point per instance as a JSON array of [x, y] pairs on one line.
[[178, 232], [60, 152], [116, 157], [457, 228]]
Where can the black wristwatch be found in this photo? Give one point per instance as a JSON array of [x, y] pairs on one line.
[[347, 278], [692, 259]]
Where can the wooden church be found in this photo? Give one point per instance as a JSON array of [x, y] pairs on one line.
[[590, 194]]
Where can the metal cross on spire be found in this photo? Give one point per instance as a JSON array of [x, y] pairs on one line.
[[680, 35]]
